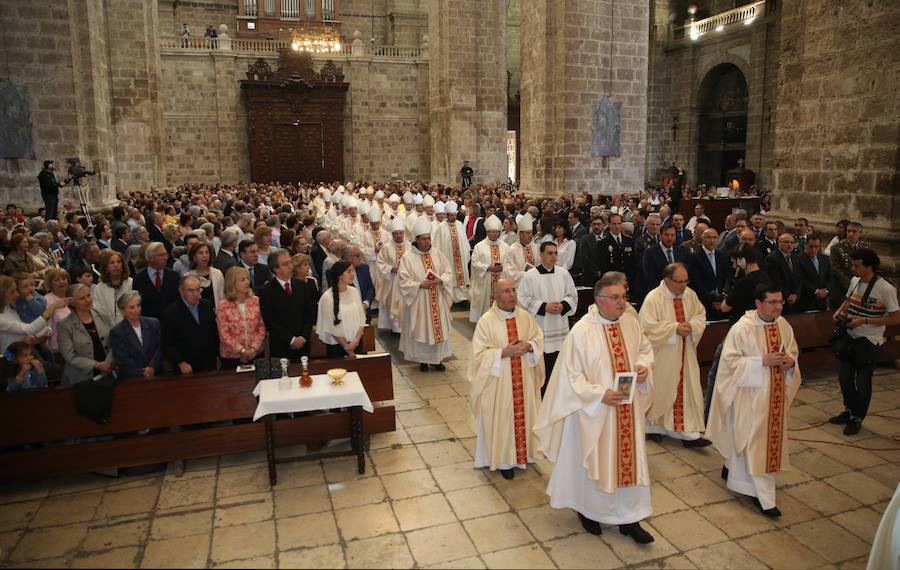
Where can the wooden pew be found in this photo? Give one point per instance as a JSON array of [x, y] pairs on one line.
[[317, 347], [35, 419]]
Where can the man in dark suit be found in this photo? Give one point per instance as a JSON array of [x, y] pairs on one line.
[[784, 269], [681, 234], [769, 241], [121, 235], [576, 228], [286, 308], [657, 257], [319, 251], [708, 270], [815, 274], [155, 229], [589, 254], [158, 285], [259, 272], [190, 334], [227, 256], [352, 254], [617, 251]]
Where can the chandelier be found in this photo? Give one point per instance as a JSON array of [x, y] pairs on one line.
[[320, 39]]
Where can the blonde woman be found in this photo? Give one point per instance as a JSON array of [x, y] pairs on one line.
[[239, 320], [11, 326], [262, 236], [56, 281], [303, 272]]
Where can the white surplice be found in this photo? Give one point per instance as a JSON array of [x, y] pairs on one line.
[[600, 458], [539, 287]]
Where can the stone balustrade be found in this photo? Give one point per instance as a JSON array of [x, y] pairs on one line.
[[261, 46], [742, 15]]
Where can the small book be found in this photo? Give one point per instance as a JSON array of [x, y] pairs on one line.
[[245, 368], [625, 383]]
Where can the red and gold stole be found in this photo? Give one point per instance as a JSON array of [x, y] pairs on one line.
[[495, 258], [457, 256], [518, 393], [399, 252], [776, 403], [678, 407], [626, 462], [433, 301], [529, 255]]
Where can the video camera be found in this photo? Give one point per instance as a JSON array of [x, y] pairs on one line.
[[77, 171]]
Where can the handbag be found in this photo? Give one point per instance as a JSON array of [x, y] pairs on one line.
[[267, 368], [840, 339]]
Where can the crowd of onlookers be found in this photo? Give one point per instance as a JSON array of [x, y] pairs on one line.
[[202, 277]]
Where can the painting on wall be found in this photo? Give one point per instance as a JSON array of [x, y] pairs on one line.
[[607, 126], [15, 116]]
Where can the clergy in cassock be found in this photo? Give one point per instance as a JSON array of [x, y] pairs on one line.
[[506, 373], [586, 428], [487, 267], [673, 319], [390, 302], [424, 277], [548, 292], [523, 254], [755, 385], [450, 239]]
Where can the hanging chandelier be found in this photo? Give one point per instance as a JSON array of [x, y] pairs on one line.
[[319, 39]]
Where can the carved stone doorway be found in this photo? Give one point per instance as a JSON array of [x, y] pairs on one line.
[[722, 123]]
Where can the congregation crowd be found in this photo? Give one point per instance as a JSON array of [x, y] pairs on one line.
[[202, 277]]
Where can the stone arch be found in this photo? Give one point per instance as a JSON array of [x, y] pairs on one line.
[[721, 110]]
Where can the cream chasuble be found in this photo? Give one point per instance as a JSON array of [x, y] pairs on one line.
[[485, 254], [450, 239], [369, 243], [390, 303], [505, 392], [599, 453], [677, 409], [520, 259], [748, 415], [425, 318]]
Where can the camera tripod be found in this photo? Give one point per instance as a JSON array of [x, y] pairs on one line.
[[82, 199]]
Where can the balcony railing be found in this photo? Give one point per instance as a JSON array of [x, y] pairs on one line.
[[272, 46], [740, 16]]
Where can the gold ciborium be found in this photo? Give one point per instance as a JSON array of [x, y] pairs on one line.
[[337, 375]]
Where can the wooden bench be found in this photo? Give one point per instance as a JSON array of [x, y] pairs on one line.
[[35, 419], [317, 347]]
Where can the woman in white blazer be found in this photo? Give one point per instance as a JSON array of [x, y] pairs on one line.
[[115, 280]]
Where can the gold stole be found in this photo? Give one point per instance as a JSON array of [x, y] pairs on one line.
[[399, 252], [518, 393], [457, 256], [495, 258], [529, 255], [678, 408], [625, 460], [433, 301], [776, 403]]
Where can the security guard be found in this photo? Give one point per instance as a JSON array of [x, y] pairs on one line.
[[617, 251]]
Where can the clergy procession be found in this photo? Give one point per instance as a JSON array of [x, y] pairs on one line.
[[586, 393]]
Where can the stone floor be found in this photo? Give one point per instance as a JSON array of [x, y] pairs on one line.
[[421, 503]]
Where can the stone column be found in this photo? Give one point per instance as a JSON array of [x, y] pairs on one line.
[[836, 134], [573, 53], [467, 89]]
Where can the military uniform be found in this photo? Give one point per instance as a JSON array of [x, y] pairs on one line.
[[615, 257]]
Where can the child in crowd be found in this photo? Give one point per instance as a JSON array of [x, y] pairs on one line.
[[24, 371]]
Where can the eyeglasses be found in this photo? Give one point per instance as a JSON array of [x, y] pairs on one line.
[[614, 297]]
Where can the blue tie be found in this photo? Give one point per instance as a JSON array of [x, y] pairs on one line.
[[815, 262], [712, 261]]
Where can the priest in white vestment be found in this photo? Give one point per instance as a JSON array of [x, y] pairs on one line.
[[523, 254], [424, 276], [506, 373], [548, 292], [487, 267], [390, 302], [371, 241], [440, 213], [585, 426], [673, 319], [450, 239], [755, 385]]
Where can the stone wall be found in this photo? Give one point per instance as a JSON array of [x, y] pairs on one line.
[[385, 120], [197, 14], [837, 140], [577, 51]]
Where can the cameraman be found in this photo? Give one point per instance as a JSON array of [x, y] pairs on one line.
[[50, 188], [868, 309]]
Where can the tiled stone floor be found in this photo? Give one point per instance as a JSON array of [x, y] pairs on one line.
[[421, 504]]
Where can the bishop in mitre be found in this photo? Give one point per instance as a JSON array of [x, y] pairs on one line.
[[424, 276], [487, 267], [586, 428], [523, 254], [673, 319], [387, 263], [372, 239], [756, 383], [506, 373], [450, 239]]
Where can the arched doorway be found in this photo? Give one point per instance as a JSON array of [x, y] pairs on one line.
[[722, 101]]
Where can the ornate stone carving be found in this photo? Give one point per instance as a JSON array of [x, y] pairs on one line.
[[330, 73], [259, 70]]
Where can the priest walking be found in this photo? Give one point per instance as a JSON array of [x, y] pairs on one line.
[[450, 239], [506, 373], [523, 254], [673, 319], [487, 267], [585, 426], [548, 293], [424, 276], [387, 262], [756, 382]]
